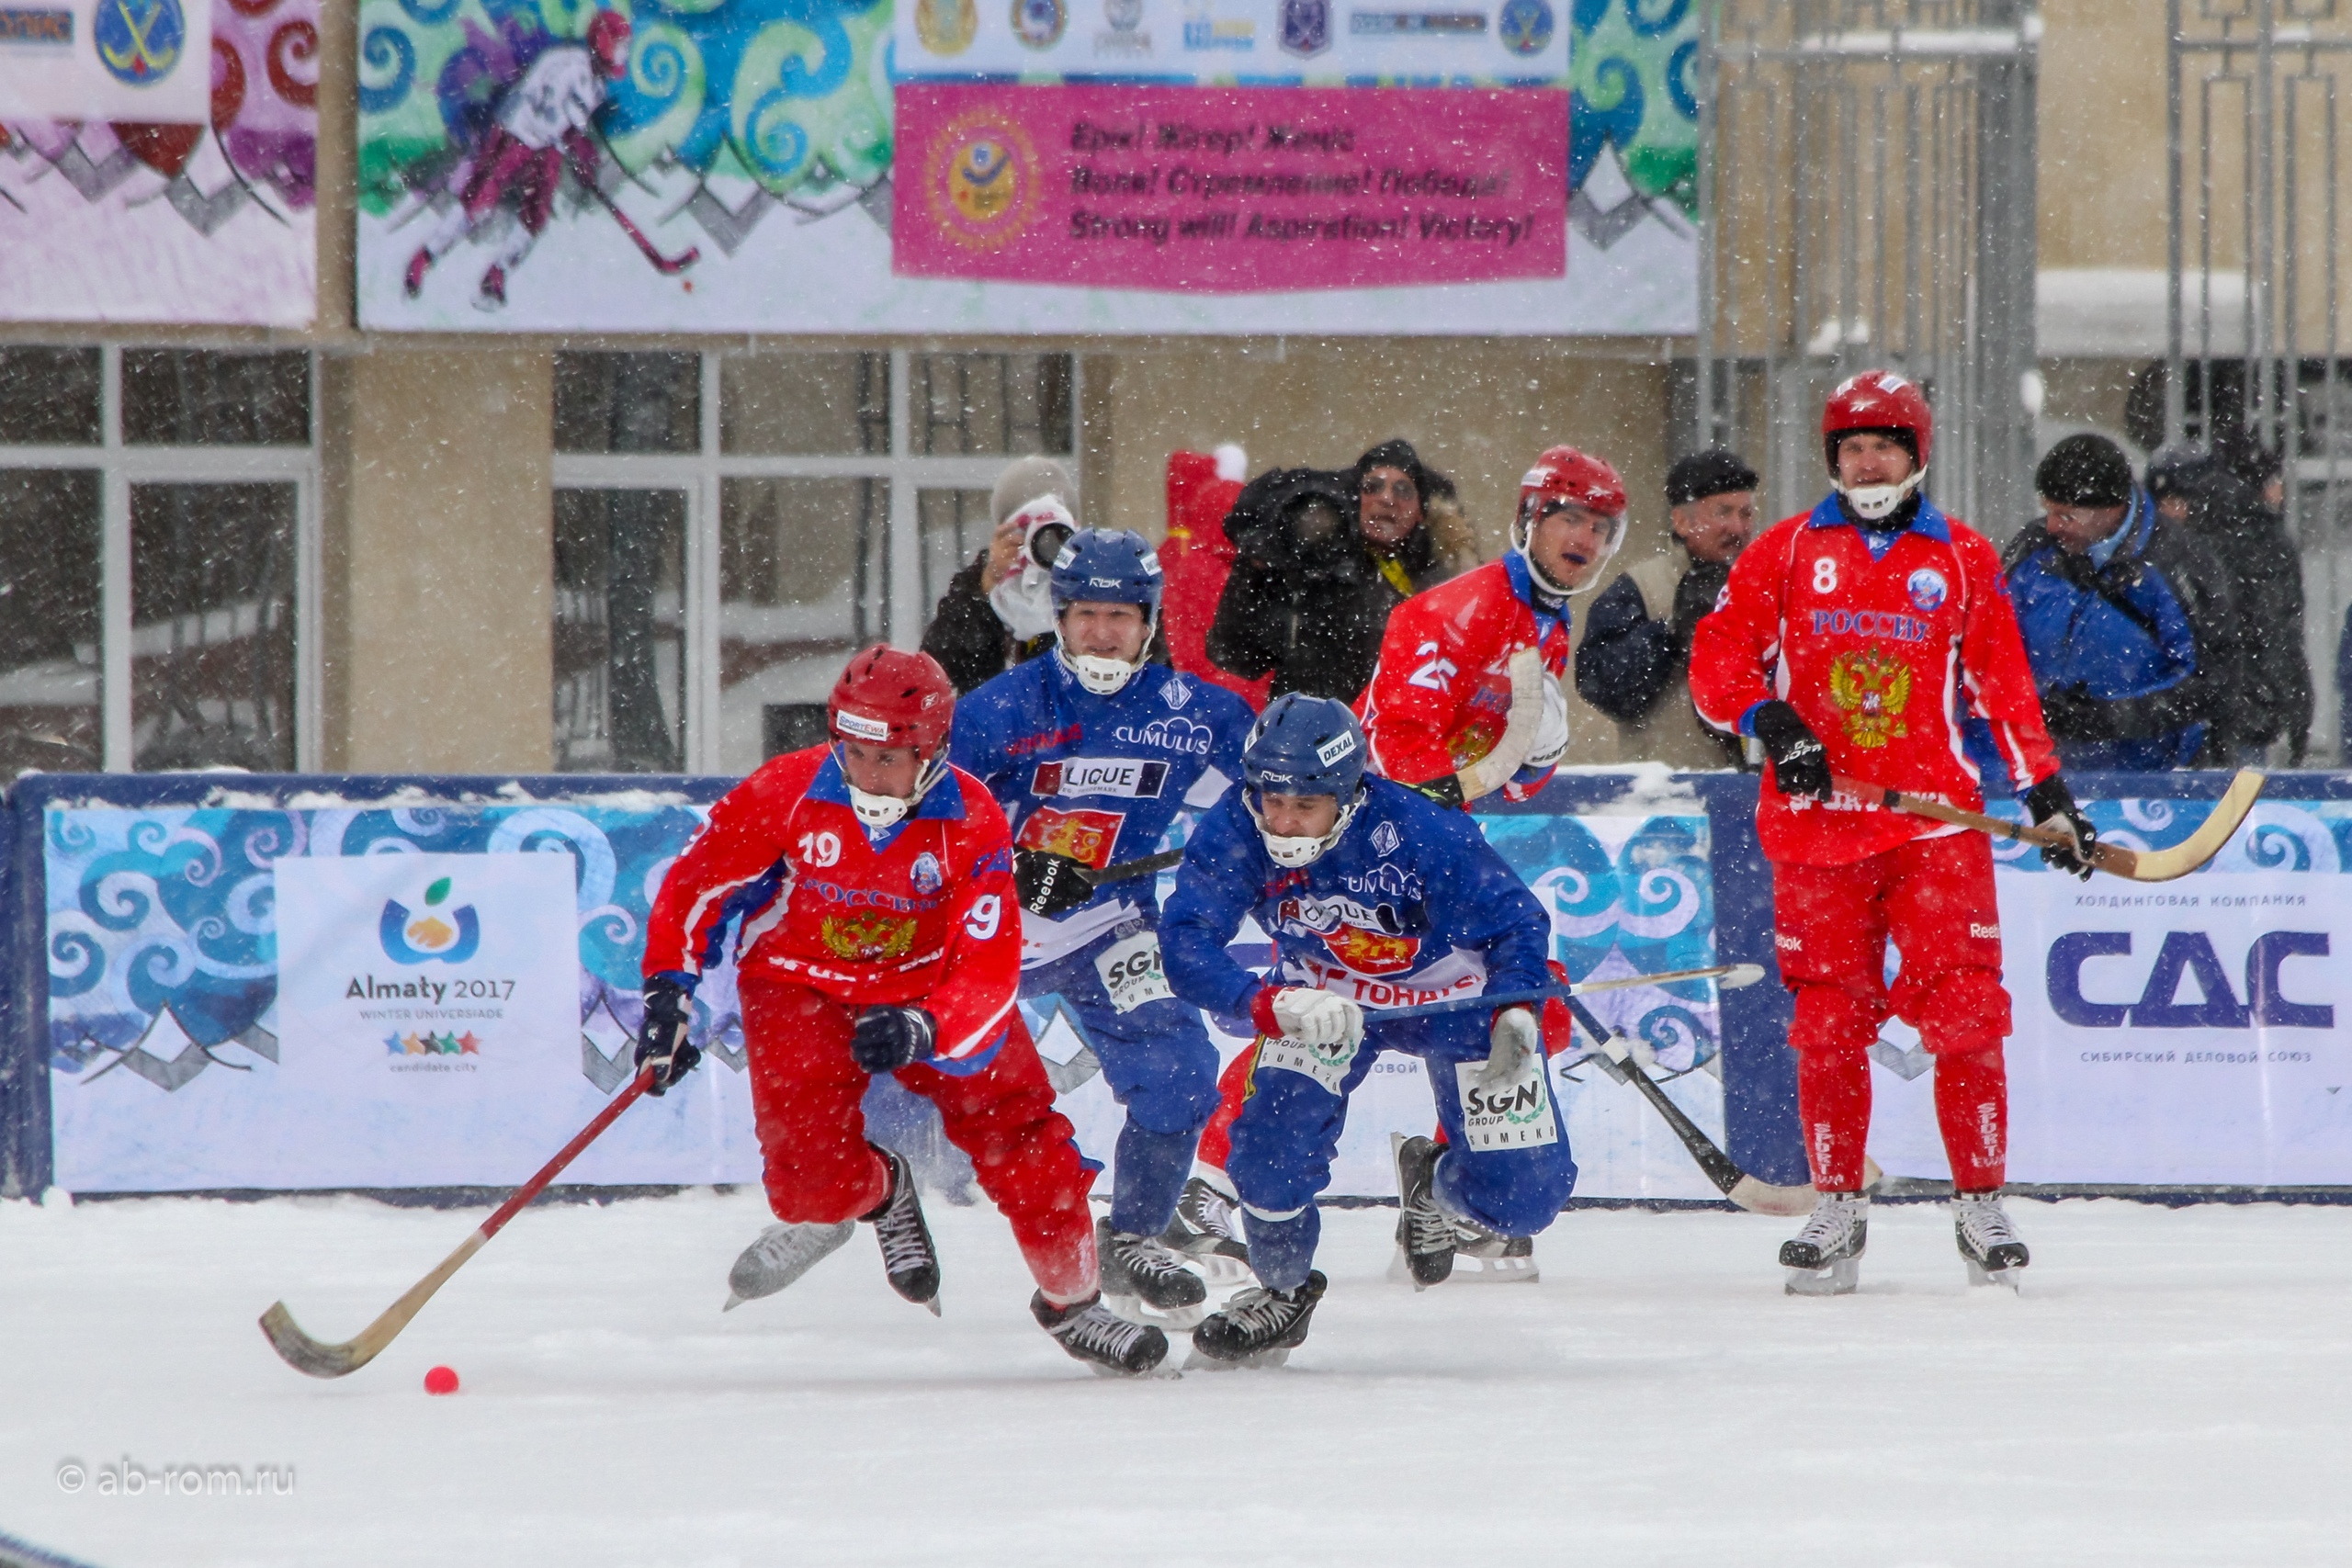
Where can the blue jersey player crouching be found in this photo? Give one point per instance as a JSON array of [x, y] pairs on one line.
[[1377, 898], [1092, 753]]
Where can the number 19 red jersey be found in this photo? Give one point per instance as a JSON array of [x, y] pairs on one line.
[[924, 914]]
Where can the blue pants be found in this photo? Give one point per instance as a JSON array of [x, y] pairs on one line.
[[1160, 1064], [1290, 1126]]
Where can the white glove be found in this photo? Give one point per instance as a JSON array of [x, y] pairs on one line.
[[1494, 770], [1518, 1039], [1552, 734], [1318, 1018]]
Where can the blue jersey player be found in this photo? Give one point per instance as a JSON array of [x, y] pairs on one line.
[[1092, 753], [1377, 898]]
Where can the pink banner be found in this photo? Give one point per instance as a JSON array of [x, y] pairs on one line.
[[1230, 190]]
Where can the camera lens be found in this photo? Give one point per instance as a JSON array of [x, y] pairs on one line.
[[1046, 544]]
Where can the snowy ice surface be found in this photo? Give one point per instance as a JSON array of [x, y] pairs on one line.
[[2172, 1387]]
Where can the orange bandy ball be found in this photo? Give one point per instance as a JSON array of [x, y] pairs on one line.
[[441, 1379]]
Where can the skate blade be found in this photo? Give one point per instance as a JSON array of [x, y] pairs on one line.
[[1135, 1309], [1473, 1268], [2006, 1279], [1217, 1269], [1200, 1361], [1838, 1279]]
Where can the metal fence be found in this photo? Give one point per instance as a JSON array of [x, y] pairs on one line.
[[2258, 217], [1867, 188]]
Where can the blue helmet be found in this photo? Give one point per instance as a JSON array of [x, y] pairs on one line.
[[1304, 745], [1111, 567]]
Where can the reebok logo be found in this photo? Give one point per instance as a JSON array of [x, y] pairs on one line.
[[1985, 933]]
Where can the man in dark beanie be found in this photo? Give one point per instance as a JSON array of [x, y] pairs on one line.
[[2128, 619], [1635, 663]]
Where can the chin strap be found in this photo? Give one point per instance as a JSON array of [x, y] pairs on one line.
[[880, 813], [1292, 852], [1875, 503], [1105, 677]]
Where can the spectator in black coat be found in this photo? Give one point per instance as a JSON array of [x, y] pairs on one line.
[[1323, 555], [2271, 691], [1634, 662]]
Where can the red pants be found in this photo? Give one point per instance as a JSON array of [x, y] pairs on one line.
[[806, 1095], [1831, 924], [504, 166]]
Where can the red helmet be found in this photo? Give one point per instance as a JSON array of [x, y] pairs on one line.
[[887, 697], [1563, 473], [608, 41], [1877, 400]]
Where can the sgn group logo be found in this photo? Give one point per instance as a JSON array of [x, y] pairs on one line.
[[438, 930]]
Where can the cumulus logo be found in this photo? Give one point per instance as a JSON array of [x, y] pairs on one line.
[[450, 935], [1170, 733]]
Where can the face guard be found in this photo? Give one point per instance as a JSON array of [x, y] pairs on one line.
[[1293, 852]]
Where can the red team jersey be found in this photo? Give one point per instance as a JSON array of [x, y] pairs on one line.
[[1883, 658], [1441, 695], [927, 914]]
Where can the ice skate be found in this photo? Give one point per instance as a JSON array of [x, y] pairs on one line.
[[782, 1255], [907, 1255], [1825, 1257], [412, 283], [1259, 1328], [1425, 1234], [1481, 1256], [1205, 1230], [1144, 1281], [1989, 1243], [1110, 1345]]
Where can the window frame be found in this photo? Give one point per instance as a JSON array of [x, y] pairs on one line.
[[905, 598], [119, 465]]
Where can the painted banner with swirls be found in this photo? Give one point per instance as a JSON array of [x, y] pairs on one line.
[[730, 165], [211, 222], [169, 1066]]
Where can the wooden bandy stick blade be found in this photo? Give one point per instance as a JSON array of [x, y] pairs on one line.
[[2136, 865]]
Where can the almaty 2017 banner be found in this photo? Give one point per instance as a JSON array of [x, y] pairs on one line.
[[158, 161], [1518, 167]]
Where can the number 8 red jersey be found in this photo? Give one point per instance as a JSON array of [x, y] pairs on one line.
[[1884, 655], [923, 915]]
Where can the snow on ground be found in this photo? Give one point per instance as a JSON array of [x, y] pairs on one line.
[[2173, 1387]]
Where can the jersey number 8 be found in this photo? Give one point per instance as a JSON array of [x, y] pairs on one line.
[[1824, 574]]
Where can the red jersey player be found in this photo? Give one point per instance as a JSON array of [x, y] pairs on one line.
[[1467, 699], [1854, 638], [880, 934]]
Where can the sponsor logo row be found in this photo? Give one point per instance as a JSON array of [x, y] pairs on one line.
[[1306, 27]]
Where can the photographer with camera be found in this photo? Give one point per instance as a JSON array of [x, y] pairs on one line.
[[1323, 556]]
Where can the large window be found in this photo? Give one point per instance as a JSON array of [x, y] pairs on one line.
[[158, 542], [729, 526]]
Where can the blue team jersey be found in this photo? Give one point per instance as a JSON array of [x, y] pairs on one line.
[[1098, 779], [1412, 904]]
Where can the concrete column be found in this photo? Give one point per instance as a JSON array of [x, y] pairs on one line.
[[447, 564]]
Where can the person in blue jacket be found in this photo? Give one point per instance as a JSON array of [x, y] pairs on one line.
[[1092, 753], [2126, 615], [1376, 898]]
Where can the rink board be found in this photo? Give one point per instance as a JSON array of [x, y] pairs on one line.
[[425, 1038]]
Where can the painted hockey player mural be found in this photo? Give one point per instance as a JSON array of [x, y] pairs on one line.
[[640, 134]]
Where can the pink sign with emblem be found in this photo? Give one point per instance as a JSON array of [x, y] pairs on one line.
[[1230, 190]]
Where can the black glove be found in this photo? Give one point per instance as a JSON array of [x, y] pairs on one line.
[[662, 1039], [888, 1038], [1049, 885], [2071, 712], [1800, 764], [2050, 803]]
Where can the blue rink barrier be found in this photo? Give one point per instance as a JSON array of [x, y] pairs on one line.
[[2124, 1077]]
